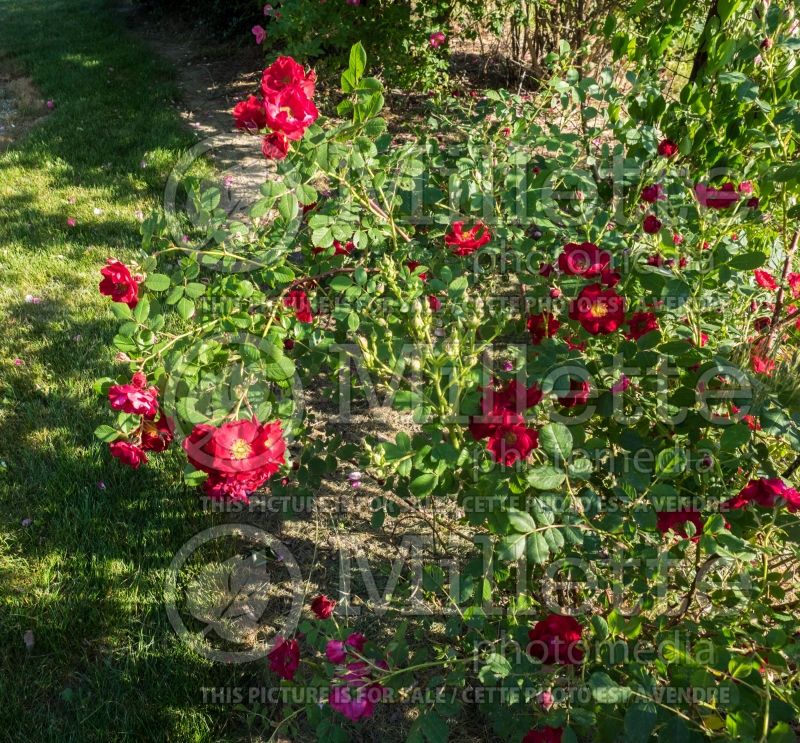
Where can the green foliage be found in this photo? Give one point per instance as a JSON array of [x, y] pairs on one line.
[[569, 166]]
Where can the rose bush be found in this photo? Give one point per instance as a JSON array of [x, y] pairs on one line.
[[608, 403]]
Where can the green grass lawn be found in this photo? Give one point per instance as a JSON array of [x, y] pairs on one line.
[[86, 576]]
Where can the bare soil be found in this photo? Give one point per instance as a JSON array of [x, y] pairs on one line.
[[21, 106]]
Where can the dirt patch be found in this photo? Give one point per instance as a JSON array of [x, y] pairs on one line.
[[21, 106], [211, 77]]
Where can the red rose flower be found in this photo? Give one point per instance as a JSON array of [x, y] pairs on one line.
[[765, 279], [516, 397], [338, 248], [239, 456], [323, 607], [503, 406], [674, 520], [297, 299], [610, 278], [579, 391], [236, 447], [600, 311], [794, 284], [750, 420], [555, 640], [250, 114], [158, 435], [289, 111], [641, 323], [512, 440], [542, 325], [667, 148], [651, 224], [434, 303], [762, 323], [356, 692], [128, 453], [544, 735], [284, 658], [119, 284], [767, 493], [275, 146], [745, 187], [284, 72], [585, 260], [716, 198], [653, 193], [466, 243], [134, 398], [762, 365]]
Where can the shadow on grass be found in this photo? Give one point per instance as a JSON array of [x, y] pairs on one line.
[[85, 574]]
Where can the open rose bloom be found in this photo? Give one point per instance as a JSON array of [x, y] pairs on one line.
[[239, 456]]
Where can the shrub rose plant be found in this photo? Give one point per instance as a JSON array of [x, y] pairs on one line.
[[599, 374]]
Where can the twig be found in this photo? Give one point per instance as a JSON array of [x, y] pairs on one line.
[[787, 266]]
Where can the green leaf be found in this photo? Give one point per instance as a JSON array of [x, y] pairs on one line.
[[630, 627], [600, 627], [188, 412], [185, 308], [433, 727], [497, 666], [580, 469], [781, 733], [521, 521], [121, 311], [512, 548], [748, 261], [340, 283], [545, 477], [457, 285], [423, 484], [536, 548], [670, 462], [288, 207], [157, 282], [735, 436], [725, 9], [106, 433], [607, 691], [640, 719], [358, 63], [556, 440], [279, 367]]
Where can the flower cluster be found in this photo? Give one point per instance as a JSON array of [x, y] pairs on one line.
[[501, 422], [355, 687], [285, 107], [154, 431]]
